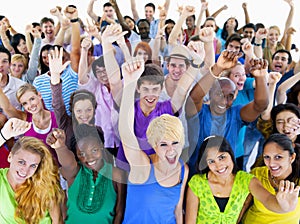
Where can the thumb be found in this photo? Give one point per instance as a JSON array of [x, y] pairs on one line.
[[65, 65]]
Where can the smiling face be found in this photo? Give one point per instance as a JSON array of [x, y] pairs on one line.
[[238, 76], [273, 36], [129, 23], [17, 68], [23, 165], [22, 47], [221, 97], [278, 161], [101, 75], [48, 30], [31, 102], [83, 111], [89, 152], [149, 94], [169, 152], [149, 13], [282, 124], [190, 22], [280, 62], [109, 11], [176, 68], [219, 163], [144, 29]]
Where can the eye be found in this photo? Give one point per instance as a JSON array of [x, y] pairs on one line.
[[21, 162], [222, 157], [175, 143], [210, 161], [95, 150], [266, 157], [163, 144], [278, 157], [81, 154], [34, 166], [78, 111]]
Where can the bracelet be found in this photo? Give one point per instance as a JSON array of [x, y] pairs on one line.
[[9, 27], [197, 65], [74, 20], [255, 44], [2, 135], [212, 74]]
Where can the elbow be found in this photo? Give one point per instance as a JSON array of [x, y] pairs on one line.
[[261, 105]]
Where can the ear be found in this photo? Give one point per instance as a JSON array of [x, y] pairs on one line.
[[9, 157], [293, 157], [137, 89]]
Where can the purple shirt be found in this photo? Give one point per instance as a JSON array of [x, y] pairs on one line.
[[141, 123]]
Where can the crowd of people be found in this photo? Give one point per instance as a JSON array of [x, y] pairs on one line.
[[130, 119]]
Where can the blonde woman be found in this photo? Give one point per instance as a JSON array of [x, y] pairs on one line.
[[29, 189]]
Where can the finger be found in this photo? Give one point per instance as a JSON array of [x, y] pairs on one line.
[[61, 53], [281, 185], [292, 186]]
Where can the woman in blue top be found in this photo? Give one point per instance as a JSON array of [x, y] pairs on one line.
[[156, 184]]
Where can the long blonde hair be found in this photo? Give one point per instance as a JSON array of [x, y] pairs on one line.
[[39, 192]]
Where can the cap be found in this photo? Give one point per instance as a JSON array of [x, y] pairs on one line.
[[180, 51]]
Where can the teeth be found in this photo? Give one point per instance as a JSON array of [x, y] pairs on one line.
[[91, 163], [21, 175], [222, 170], [274, 169], [221, 107]]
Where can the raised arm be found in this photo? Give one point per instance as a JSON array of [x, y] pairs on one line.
[[252, 110], [12, 128], [69, 167], [90, 10], [9, 26], [285, 200], [216, 13], [274, 77], [176, 31], [110, 35], [4, 37], [72, 14], [83, 69], [285, 86], [138, 160], [289, 20], [135, 13], [60, 37], [28, 30], [34, 56], [247, 18], [199, 19]]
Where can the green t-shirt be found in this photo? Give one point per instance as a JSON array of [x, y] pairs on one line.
[[90, 202], [209, 211], [8, 203]]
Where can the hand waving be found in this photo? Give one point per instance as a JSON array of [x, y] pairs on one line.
[[132, 70], [55, 64], [287, 195]]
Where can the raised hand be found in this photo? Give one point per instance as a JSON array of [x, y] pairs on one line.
[[55, 64], [132, 70], [197, 51], [247, 47], [188, 11], [244, 5], [204, 6], [86, 43], [112, 33], [56, 138], [71, 12], [261, 34], [287, 195], [15, 127], [274, 77], [92, 29], [207, 34], [228, 59], [258, 67], [56, 11]]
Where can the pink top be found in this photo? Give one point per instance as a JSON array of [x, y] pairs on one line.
[[106, 116]]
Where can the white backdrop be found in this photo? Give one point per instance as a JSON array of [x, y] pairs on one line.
[[269, 12]]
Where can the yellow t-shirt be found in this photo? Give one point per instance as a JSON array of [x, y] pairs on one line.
[[257, 213]]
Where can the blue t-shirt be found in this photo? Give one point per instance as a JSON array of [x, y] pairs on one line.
[[205, 124]]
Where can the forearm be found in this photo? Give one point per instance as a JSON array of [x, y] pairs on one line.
[[176, 30], [75, 42], [283, 88], [28, 41], [66, 158], [247, 17], [133, 10], [59, 39], [90, 11], [34, 60], [209, 58], [6, 43], [266, 114], [83, 67], [216, 13], [113, 72], [261, 94]]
